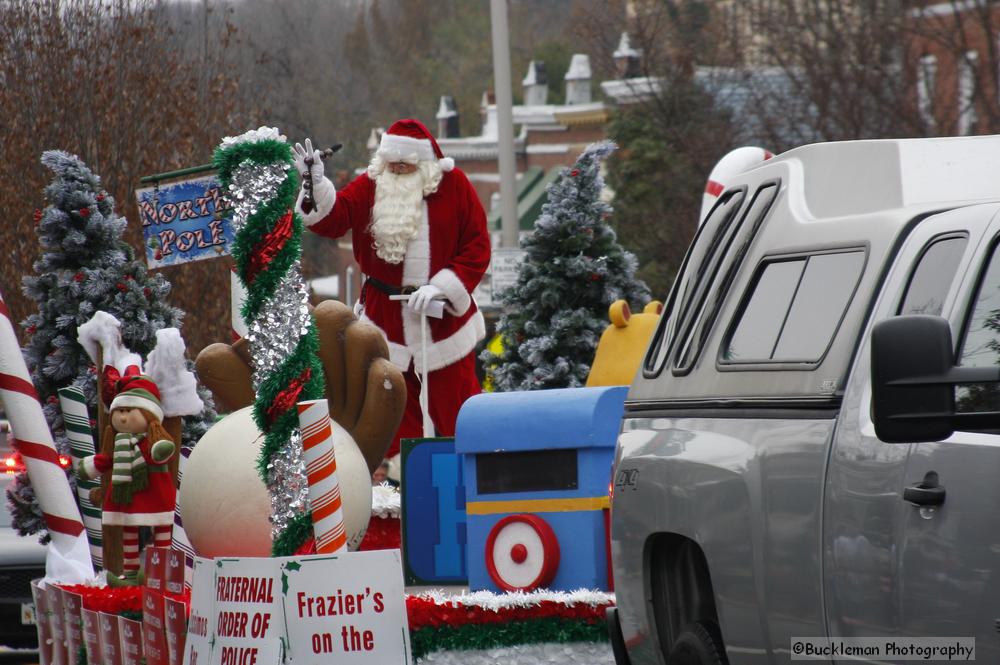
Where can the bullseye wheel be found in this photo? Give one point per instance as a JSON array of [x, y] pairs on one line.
[[522, 553]]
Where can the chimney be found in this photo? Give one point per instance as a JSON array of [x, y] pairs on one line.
[[374, 138], [626, 58], [535, 84], [578, 80], [447, 117], [488, 115]]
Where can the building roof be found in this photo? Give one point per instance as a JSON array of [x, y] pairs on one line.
[[541, 117]]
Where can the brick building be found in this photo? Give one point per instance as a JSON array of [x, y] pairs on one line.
[[952, 59]]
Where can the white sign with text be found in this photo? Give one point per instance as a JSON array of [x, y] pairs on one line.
[[504, 266], [249, 617], [347, 608], [201, 623], [308, 610]]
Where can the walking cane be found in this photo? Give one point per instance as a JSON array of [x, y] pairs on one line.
[[435, 309]]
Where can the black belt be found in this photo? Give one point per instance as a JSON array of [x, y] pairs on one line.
[[391, 289]]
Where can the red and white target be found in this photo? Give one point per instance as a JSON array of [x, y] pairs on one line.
[[522, 553]]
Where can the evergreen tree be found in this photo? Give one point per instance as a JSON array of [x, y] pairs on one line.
[[573, 270], [85, 267]]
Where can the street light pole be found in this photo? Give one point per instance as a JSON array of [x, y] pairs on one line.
[[505, 122]]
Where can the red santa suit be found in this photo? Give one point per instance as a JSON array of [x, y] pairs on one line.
[[451, 250]]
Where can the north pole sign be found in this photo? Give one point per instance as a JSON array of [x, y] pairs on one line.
[[183, 221]]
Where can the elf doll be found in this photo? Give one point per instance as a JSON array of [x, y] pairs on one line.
[[141, 491]]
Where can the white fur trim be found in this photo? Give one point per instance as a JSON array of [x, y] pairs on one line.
[[459, 299], [102, 334], [399, 356], [88, 469], [417, 261], [137, 402], [441, 353], [386, 500], [168, 368], [398, 148], [446, 163], [138, 519], [260, 134], [324, 196]]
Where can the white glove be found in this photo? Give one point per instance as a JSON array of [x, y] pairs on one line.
[[300, 160], [421, 299]]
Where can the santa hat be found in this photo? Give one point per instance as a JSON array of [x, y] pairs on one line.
[[139, 392], [409, 140]]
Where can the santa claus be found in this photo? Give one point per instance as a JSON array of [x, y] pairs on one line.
[[419, 230]]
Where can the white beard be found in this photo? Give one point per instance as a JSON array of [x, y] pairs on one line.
[[397, 213]]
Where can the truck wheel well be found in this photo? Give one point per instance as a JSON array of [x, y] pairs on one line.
[[680, 586]]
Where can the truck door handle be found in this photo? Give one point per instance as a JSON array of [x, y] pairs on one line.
[[925, 493]]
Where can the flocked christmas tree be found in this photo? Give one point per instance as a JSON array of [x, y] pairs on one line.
[[573, 270], [85, 267]]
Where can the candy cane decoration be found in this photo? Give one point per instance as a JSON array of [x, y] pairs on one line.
[[80, 435], [255, 169], [321, 472], [34, 442], [180, 538], [238, 296]]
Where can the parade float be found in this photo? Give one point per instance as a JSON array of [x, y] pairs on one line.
[[281, 550]]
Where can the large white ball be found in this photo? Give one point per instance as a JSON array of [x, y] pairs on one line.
[[225, 505]]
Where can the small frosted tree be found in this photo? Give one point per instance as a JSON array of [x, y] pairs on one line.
[[85, 267], [574, 269]]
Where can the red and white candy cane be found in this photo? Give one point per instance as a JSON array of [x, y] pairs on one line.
[[238, 295], [321, 471], [34, 441]]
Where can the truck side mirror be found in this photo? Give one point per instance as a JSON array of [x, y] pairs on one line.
[[907, 351], [914, 379]]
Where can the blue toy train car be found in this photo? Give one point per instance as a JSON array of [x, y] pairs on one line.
[[537, 468]]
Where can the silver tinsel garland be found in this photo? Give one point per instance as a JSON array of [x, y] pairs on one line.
[[273, 335]]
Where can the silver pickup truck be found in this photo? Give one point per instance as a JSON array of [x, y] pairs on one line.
[[812, 445]]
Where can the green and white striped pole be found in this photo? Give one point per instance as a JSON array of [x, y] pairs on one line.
[[80, 435]]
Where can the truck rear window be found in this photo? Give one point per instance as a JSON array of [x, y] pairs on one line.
[[794, 308]]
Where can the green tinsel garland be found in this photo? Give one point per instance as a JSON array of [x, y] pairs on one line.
[[266, 282], [305, 355], [299, 529], [258, 224], [490, 636]]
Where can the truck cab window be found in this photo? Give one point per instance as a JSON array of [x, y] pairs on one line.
[[981, 342], [933, 275]]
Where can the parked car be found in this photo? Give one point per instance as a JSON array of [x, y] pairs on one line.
[[811, 447], [22, 559]]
